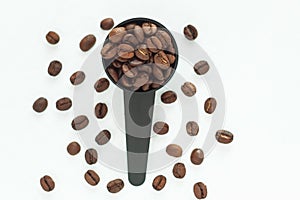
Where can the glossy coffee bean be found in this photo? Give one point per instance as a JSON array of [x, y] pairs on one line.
[[103, 137], [174, 150], [101, 110], [201, 67], [210, 105], [161, 128], [179, 170], [168, 97], [161, 60], [116, 35], [115, 186], [125, 51], [142, 52], [92, 177], [73, 148], [54, 68], [109, 51], [91, 156], [80, 122], [52, 37], [64, 104], [197, 156], [101, 85], [189, 89], [87, 42], [200, 190], [192, 128], [77, 78], [190, 32], [149, 28], [47, 183], [139, 33], [40, 105], [107, 24], [224, 137], [159, 182]]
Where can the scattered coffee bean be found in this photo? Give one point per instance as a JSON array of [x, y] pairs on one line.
[[40, 105], [54, 68], [190, 32], [92, 177], [77, 78], [159, 182], [189, 89], [87, 42], [64, 104], [91, 156], [192, 128], [200, 190], [52, 37], [47, 183], [197, 156], [224, 137], [210, 105], [73, 148], [201, 67], [115, 186], [161, 128], [101, 110], [80, 122], [101, 85], [107, 24], [168, 97], [103, 137], [174, 150], [179, 170]]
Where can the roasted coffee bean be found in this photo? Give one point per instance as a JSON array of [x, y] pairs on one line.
[[168, 97], [161, 128], [201, 67], [113, 73], [164, 38], [54, 68], [103, 137], [91, 156], [224, 137], [135, 62], [130, 39], [109, 51], [80, 122], [142, 52], [77, 78], [115, 186], [159, 182], [197, 156], [141, 80], [52, 37], [73, 148], [189, 89], [101, 85], [145, 68], [47, 183], [200, 190], [64, 104], [210, 105], [157, 73], [128, 71], [117, 34], [190, 32], [40, 105], [125, 51], [171, 58], [179, 170], [174, 150], [149, 28], [161, 60], [154, 44], [139, 33], [107, 24], [92, 177], [192, 128], [87, 42], [101, 110]]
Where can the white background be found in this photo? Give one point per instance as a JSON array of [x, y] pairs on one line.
[[254, 45]]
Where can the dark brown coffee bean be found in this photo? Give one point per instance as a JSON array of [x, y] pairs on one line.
[[171, 58], [164, 38], [197, 156], [116, 35], [87, 42], [108, 51], [47, 183], [161, 128], [149, 28], [52, 37], [115, 186], [107, 24], [174, 150], [73, 148], [200, 190], [157, 73], [128, 71], [77, 78], [54, 68], [189, 89], [101, 85], [159, 182], [92, 177], [210, 105], [154, 44], [101, 110], [179, 170], [91, 156], [139, 33], [103, 137], [64, 104], [192, 128], [141, 80], [130, 39], [161, 60], [135, 62], [113, 73], [142, 52], [125, 51], [201, 67], [80, 122], [168, 97], [40, 105], [224, 137], [190, 32]]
